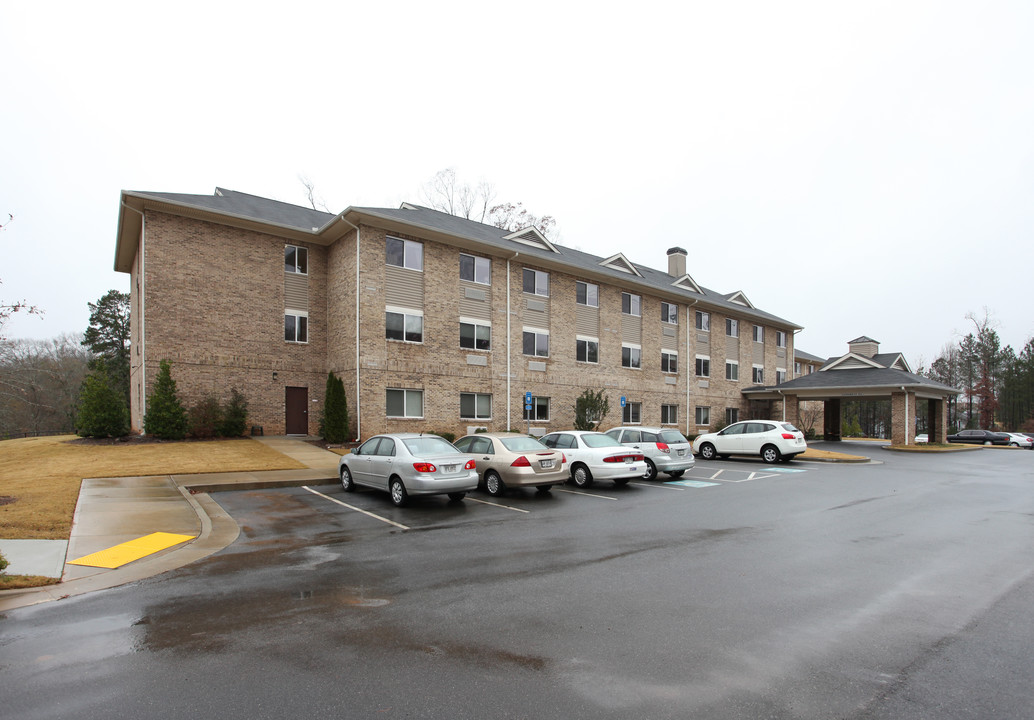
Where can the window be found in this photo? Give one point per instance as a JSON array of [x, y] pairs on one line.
[[404, 253], [475, 406], [631, 356], [810, 367], [703, 415], [296, 259], [631, 304], [670, 313], [405, 325], [475, 335], [536, 282], [632, 413], [732, 327], [669, 414], [296, 327], [758, 374], [759, 334], [780, 339], [475, 269], [536, 342], [669, 361], [587, 294], [703, 366], [732, 370], [796, 369], [587, 350], [404, 403], [703, 321], [539, 410], [780, 375], [732, 415]]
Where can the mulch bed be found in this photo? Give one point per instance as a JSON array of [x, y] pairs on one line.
[[7, 499]]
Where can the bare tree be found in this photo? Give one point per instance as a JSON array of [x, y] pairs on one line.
[[310, 194], [445, 193], [8, 309], [39, 382], [509, 216]]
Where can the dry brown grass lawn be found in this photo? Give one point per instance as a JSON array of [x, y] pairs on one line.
[[816, 454], [43, 474]]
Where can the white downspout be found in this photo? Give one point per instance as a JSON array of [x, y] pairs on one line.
[[906, 415], [358, 413], [508, 379], [686, 365], [143, 316]]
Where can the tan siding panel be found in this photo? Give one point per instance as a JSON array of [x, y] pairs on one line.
[[587, 321], [296, 292], [631, 329], [474, 301], [732, 347], [403, 288], [759, 353], [669, 342]]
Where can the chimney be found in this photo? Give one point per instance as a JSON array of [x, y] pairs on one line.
[[677, 262], [864, 346]]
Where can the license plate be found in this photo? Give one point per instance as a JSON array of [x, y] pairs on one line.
[[681, 452], [546, 464], [449, 468], [628, 461]]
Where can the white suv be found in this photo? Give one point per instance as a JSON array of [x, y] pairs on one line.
[[665, 450], [774, 441]]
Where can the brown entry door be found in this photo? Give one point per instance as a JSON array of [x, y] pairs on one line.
[[297, 404]]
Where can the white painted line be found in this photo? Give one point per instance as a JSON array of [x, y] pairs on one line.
[[504, 507], [576, 492], [352, 507], [663, 487], [715, 476]]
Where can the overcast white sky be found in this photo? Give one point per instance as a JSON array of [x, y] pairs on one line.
[[856, 168]]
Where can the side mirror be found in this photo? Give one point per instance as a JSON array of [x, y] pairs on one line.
[[355, 451]]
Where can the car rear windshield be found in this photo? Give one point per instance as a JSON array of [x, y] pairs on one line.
[[673, 436], [422, 446], [789, 428], [598, 440], [522, 444]]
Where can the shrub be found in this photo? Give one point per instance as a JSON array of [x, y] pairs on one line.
[[590, 409], [451, 437], [165, 416], [101, 408], [235, 416], [3, 564], [334, 421], [206, 417]]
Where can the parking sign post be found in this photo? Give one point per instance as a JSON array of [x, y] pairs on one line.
[[527, 413]]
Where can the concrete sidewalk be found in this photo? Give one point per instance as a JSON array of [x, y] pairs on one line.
[[111, 511]]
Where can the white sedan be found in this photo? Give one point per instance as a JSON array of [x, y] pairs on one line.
[[773, 441], [1020, 440], [595, 456]]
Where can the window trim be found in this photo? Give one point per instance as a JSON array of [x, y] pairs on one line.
[[703, 318], [734, 325], [586, 339], [639, 304], [780, 339], [476, 323], [297, 315], [759, 330], [476, 258], [405, 245], [732, 412], [735, 364], [587, 285], [534, 407], [405, 404], [696, 415], [757, 378], [475, 416], [665, 317], [405, 313], [671, 408], [535, 331], [538, 273], [628, 409], [697, 366], [673, 354], [296, 248], [630, 347]]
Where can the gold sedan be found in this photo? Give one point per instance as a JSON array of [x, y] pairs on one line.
[[514, 460]]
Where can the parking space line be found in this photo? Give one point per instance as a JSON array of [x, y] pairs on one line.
[[664, 487], [715, 476], [577, 492], [504, 507], [352, 507]]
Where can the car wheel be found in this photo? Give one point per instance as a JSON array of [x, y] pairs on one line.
[[494, 484], [621, 481], [677, 473], [1015, 444], [347, 483], [987, 442], [457, 496], [770, 454], [581, 476], [651, 470], [544, 489], [399, 496], [707, 451]]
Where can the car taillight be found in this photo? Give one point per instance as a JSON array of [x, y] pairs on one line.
[[470, 465], [787, 436], [663, 447], [424, 467], [563, 459], [622, 458], [520, 462]]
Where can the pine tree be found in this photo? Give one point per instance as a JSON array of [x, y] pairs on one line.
[[165, 416], [101, 409], [335, 411]]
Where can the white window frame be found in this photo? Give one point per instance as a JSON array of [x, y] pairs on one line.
[[534, 409], [696, 368], [706, 414], [667, 313], [298, 249], [297, 315], [406, 313], [541, 282], [587, 286], [405, 403], [703, 321], [732, 415], [672, 411], [477, 397], [626, 413], [672, 355], [630, 347], [757, 374], [732, 364], [476, 323], [780, 371], [797, 369], [537, 332], [732, 327], [478, 260], [780, 338], [759, 334], [635, 304], [586, 339], [412, 254]]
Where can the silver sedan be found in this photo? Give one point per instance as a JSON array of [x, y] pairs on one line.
[[407, 464], [514, 460]]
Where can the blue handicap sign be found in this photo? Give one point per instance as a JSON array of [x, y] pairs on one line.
[[527, 397], [622, 401], [527, 406]]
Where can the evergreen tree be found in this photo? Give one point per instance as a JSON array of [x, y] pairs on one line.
[[235, 415], [108, 338], [334, 425], [101, 409], [590, 409], [165, 416]]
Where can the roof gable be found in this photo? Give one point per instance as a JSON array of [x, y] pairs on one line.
[[687, 283], [851, 361], [621, 263], [532, 236], [740, 299]]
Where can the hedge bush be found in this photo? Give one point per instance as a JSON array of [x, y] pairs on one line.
[[165, 416], [101, 410]]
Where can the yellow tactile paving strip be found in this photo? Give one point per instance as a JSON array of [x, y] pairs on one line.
[[127, 552]]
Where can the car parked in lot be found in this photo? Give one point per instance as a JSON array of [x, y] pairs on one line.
[[664, 449], [1020, 440], [595, 456], [774, 441], [979, 437], [408, 464], [922, 438], [513, 460]]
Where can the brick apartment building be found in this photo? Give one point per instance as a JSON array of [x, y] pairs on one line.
[[434, 322]]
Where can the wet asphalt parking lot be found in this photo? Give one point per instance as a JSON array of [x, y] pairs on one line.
[[895, 590]]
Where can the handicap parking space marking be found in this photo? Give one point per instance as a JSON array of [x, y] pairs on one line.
[[665, 485], [786, 470], [352, 507], [578, 492], [505, 507], [692, 483]]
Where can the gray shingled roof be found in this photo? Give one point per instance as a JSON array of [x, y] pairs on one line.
[[807, 357], [231, 202], [856, 378]]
